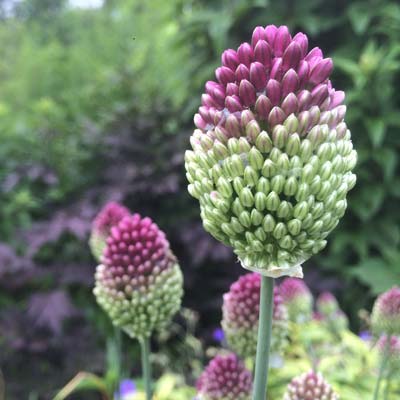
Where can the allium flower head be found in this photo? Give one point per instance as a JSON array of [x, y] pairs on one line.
[[385, 317], [225, 378], [327, 304], [393, 350], [310, 386], [272, 156], [240, 313], [297, 298], [108, 217], [139, 283]]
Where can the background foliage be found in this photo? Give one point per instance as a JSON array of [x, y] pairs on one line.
[[97, 104]]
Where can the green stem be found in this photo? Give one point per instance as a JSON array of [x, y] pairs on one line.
[[387, 388], [385, 358], [146, 366], [264, 338]]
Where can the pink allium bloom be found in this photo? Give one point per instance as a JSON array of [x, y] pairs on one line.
[[310, 386], [272, 156], [385, 317], [297, 298], [240, 312], [225, 378], [393, 350], [327, 304], [139, 283], [108, 217]]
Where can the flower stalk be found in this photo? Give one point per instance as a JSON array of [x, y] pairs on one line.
[[264, 338], [146, 366], [384, 361]]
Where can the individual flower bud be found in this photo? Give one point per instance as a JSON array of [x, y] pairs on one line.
[[385, 318], [310, 386], [240, 317], [298, 299], [275, 97], [110, 215], [327, 304], [390, 350], [139, 283], [225, 378]]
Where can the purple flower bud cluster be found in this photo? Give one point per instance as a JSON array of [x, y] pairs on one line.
[[108, 217], [272, 156], [310, 386], [139, 283], [385, 318], [225, 378], [240, 312], [298, 299], [328, 310]]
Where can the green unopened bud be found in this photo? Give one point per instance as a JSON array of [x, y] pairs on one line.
[[260, 201], [279, 230], [326, 170], [224, 187], [277, 183], [236, 225], [272, 201], [325, 191], [284, 210], [303, 191], [256, 217], [253, 130], [246, 197], [233, 146], [279, 136], [256, 159], [250, 176], [294, 226], [291, 123], [244, 219], [305, 150], [269, 168], [264, 142], [263, 185], [236, 165], [300, 210], [290, 187], [268, 223], [293, 144], [237, 207]]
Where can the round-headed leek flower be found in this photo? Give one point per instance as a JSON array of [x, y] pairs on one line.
[[240, 313], [139, 283], [393, 350], [309, 386], [385, 318], [327, 304], [272, 156], [298, 299], [225, 378], [108, 217]]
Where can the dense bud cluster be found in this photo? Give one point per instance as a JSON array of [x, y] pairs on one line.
[[310, 386], [385, 317], [225, 378], [327, 304], [139, 283], [108, 217], [272, 156], [240, 315], [298, 299]]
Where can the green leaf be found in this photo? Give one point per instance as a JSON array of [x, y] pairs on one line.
[[82, 381], [360, 15], [377, 274], [376, 128]]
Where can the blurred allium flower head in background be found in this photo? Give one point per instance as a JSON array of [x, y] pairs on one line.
[[225, 378], [108, 217], [385, 318], [240, 313], [272, 156], [310, 386], [139, 283], [393, 350], [327, 304], [298, 299]]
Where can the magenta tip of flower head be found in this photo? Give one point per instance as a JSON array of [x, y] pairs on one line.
[[225, 377], [293, 287], [109, 216], [386, 312]]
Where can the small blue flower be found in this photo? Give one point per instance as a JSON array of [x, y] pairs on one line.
[[218, 335], [365, 335], [127, 390]]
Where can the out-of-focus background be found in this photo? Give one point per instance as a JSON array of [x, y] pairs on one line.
[[96, 104]]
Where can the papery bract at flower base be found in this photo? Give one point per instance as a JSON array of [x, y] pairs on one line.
[[272, 156], [298, 299], [225, 378], [109, 216], [139, 283], [310, 386], [385, 318], [240, 312]]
